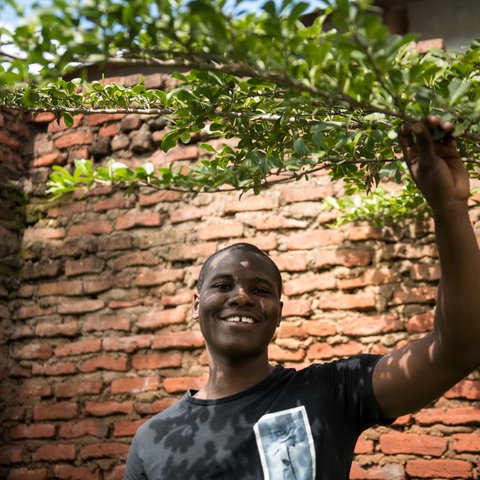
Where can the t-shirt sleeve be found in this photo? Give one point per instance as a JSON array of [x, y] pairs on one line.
[[135, 469], [354, 388]]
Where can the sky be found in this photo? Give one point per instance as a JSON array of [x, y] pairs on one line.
[[7, 14]]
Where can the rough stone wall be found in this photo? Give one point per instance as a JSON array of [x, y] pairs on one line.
[[12, 198], [99, 332]]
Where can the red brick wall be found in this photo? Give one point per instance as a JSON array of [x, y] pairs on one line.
[[99, 332]]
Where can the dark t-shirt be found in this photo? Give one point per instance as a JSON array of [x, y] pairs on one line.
[[294, 425]]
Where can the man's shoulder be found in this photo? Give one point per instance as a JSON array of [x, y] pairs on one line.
[[362, 360]]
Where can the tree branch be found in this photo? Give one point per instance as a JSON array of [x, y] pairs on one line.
[[240, 70]]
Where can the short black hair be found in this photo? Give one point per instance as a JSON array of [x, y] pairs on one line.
[[248, 247]]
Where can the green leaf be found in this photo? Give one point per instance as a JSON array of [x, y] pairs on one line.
[[68, 119], [169, 141], [208, 147], [457, 89]]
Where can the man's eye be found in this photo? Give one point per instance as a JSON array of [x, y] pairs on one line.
[[262, 291], [222, 286]]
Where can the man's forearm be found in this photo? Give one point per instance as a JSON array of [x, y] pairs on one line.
[[458, 303]]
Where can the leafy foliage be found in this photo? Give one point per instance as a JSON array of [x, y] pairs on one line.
[[298, 98]]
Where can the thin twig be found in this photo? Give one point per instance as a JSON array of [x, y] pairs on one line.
[[8, 55], [77, 110]]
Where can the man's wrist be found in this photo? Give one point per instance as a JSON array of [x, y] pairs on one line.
[[452, 210]]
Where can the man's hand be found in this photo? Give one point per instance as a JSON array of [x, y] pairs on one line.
[[435, 165]]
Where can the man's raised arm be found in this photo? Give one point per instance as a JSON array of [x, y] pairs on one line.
[[411, 377]]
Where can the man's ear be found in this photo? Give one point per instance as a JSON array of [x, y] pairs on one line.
[[195, 305], [280, 314]]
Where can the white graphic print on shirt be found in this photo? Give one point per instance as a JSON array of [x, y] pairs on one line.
[[285, 444]]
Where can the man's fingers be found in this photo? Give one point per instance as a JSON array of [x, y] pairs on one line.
[[425, 144], [405, 139], [424, 141], [446, 127]]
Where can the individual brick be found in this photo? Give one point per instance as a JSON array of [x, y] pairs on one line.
[[80, 306], [178, 340], [54, 453], [325, 351], [82, 428], [105, 362], [105, 450], [84, 265], [55, 411], [127, 428], [89, 345], [138, 219], [182, 384], [103, 409], [310, 283], [34, 430], [79, 388], [71, 472], [126, 344], [134, 385], [78, 137], [158, 318], [152, 361], [297, 308], [224, 230], [443, 468], [313, 239], [418, 444]]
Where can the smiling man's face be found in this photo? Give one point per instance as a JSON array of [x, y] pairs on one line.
[[239, 304]]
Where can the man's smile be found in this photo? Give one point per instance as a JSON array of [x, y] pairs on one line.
[[239, 319]]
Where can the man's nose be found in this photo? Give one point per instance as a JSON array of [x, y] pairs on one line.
[[240, 297]]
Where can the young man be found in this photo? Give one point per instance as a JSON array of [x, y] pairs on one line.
[[255, 421]]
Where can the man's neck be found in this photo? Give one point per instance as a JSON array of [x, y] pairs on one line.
[[228, 378]]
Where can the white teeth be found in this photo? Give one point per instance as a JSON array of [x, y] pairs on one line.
[[240, 319]]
